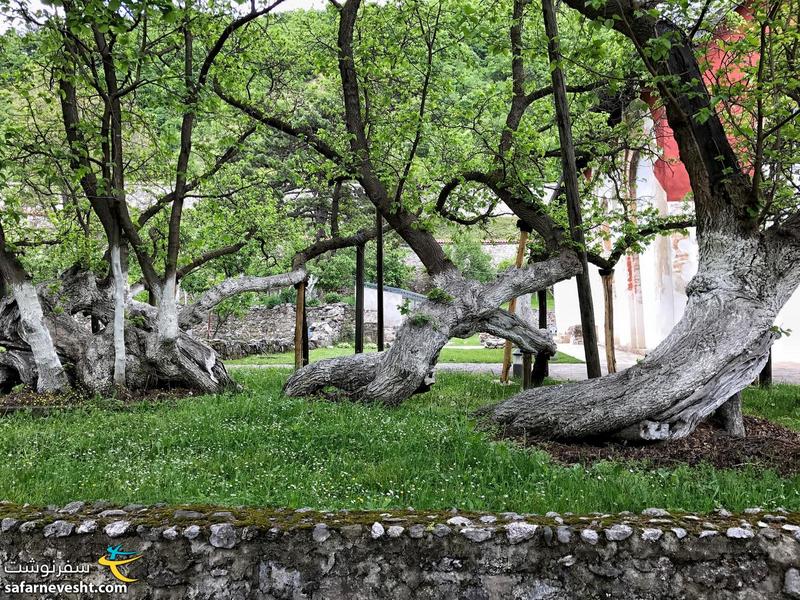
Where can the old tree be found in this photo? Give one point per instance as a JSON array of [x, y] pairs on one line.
[[436, 110], [111, 136]]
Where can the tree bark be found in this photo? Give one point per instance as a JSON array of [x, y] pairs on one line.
[[32, 328], [716, 349], [120, 290], [461, 309], [730, 416]]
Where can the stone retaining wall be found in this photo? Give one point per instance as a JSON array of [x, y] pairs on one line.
[[265, 330], [204, 553]]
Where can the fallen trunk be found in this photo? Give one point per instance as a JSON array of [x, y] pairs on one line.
[[457, 308], [716, 349]]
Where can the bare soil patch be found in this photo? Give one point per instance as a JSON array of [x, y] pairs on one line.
[[767, 446]]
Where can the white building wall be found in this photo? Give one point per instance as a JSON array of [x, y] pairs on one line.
[[666, 267]]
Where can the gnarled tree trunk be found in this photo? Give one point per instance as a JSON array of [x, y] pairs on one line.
[[715, 350], [67, 308], [460, 309]]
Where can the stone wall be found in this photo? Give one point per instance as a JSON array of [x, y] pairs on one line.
[[232, 554], [263, 330]]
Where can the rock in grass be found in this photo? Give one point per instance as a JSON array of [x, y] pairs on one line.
[[655, 512], [590, 536], [791, 583], [416, 531], [679, 532], [651, 534], [170, 533], [28, 526], [441, 530], [459, 521], [320, 533], [8, 524], [73, 507], [395, 531], [191, 532], [739, 533], [88, 526], [564, 534], [476, 534], [188, 515]]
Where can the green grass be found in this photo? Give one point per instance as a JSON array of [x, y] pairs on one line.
[[260, 448], [780, 403], [452, 354]]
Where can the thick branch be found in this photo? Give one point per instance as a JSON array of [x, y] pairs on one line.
[[195, 313]]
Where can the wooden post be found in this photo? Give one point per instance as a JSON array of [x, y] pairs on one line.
[[765, 377], [359, 298], [526, 370], [608, 299], [379, 276], [512, 305], [299, 305], [570, 171]]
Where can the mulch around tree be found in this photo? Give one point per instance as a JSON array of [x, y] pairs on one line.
[[26, 399], [767, 446]]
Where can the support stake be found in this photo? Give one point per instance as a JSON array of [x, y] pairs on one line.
[[512, 305], [360, 299]]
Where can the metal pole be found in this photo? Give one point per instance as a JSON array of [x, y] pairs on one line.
[[379, 275], [360, 299]]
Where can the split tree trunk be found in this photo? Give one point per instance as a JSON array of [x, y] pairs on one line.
[[716, 349], [37, 339]]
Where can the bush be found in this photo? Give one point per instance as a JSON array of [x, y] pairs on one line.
[[332, 298]]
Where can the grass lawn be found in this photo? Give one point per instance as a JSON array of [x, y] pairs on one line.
[[450, 354], [260, 448]]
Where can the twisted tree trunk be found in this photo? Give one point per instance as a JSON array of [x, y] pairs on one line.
[[67, 308], [715, 350], [459, 308]]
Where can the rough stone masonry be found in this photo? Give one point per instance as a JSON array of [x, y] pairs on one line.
[[204, 553]]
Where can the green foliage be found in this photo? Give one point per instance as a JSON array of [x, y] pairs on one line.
[[439, 295], [467, 254], [337, 272], [420, 319], [332, 297]]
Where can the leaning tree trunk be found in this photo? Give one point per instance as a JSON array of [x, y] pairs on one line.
[[716, 349], [456, 308]]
